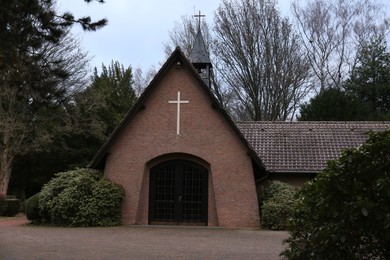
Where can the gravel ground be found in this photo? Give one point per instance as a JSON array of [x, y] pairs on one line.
[[21, 241]]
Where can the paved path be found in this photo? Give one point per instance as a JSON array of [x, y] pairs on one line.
[[137, 242]]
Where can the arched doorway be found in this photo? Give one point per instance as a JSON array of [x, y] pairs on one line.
[[178, 193]]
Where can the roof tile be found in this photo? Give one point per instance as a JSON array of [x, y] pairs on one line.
[[304, 146]]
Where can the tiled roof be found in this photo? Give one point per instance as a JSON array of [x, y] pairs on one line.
[[304, 146]]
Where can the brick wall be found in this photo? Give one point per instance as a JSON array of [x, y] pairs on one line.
[[206, 138]]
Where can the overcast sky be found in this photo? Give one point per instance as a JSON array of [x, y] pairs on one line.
[[137, 29]]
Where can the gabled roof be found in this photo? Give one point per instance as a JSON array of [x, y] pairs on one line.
[[304, 146], [177, 58], [199, 54]]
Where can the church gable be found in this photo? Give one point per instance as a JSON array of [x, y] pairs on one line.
[[177, 71], [177, 122], [179, 113]]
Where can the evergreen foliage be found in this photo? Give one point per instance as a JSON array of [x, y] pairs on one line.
[[333, 104], [106, 101], [12, 207], [344, 212], [278, 201], [370, 79], [35, 76], [364, 96], [9, 206], [81, 197], [90, 118], [31, 208]]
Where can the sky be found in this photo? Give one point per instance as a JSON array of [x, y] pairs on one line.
[[137, 29]]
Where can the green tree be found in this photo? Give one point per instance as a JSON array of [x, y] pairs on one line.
[[333, 104], [86, 121], [33, 81], [96, 111], [370, 79], [106, 101], [344, 212]]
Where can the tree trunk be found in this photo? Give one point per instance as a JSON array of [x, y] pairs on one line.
[[5, 171], [5, 160]]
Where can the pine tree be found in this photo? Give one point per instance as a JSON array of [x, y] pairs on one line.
[[370, 79], [30, 79], [108, 98], [333, 104]]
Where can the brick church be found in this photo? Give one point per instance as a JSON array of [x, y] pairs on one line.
[[183, 161]]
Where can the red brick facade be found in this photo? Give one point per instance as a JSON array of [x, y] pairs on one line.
[[148, 137]]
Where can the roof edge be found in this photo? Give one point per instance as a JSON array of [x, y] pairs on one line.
[[313, 122], [101, 153], [177, 53]]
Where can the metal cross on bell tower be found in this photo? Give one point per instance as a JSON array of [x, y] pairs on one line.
[[199, 55], [199, 16]]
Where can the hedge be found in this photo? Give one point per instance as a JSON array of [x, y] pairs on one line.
[[9, 207]]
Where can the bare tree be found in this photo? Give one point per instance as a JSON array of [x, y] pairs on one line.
[[28, 111], [332, 31], [35, 71], [183, 35], [142, 79], [260, 59]]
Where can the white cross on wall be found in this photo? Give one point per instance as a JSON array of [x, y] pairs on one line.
[[178, 102]]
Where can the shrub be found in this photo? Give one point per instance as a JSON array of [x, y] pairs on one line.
[[62, 182], [9, 206], [344, 212], [277, 189], [277, 205], [31, 206], [104, 206], [81, 198], [12, 207]]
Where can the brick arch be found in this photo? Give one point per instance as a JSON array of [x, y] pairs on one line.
[[177, 156], [143, 205]]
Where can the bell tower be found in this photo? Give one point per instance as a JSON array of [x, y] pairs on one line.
[[199, 56]]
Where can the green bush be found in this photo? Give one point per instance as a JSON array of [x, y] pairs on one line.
[[62, 182], [277, 189], [81, 198], [31, 207], [12, 207], [344, 212], [278, 201], [104, 206]]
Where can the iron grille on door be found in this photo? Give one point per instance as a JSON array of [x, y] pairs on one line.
[[165, 193], [178, 193]]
